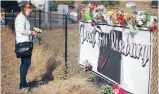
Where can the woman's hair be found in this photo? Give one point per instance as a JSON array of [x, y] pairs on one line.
[[25, 3]]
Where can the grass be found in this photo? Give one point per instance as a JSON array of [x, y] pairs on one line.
[[47, 64]]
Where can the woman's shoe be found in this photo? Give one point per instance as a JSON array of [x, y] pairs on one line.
[[22, 85], [25, 87]]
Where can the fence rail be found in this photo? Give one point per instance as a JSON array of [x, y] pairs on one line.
[[37, 18]]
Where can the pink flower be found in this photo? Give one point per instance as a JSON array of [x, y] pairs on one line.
[[116, 86], [118, 90], [86, 65], [92, 24], [153, 27], [121, 91]]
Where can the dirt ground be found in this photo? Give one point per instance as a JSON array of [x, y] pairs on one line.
[[48, 63]]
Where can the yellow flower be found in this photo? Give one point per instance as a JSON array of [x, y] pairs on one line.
[[126, 16], [110, 12], [130, 21], [38, 30]]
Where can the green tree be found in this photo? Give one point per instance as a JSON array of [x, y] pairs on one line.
[[154, 3], [10, 5], [66, 2], [86, 2], [53, 5], [109, 2]]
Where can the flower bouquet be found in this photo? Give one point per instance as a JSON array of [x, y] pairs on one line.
[[144, 21], [117, 18], [128, 18], [87, 66], [153, 28], [118, 90], [38, 34], [99, 14], [120, 18], [85, 14]]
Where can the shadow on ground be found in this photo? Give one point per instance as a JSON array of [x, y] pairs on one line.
[[51, 66]]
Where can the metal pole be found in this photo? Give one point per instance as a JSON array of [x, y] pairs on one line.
[[35, 18], [69, 17], [5, 15], [50, 20], [12, 21], [63, 18], [40, 19], [46, 11], [65, 43]]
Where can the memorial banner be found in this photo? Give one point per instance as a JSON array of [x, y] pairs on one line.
[[118, 54]]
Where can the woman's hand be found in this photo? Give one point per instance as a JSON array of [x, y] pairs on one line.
[[33, 33]]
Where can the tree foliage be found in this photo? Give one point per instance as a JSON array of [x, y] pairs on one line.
[[109, 2], [154, 2], [101, 2], [66, 2], [10, 5], [86, 2]]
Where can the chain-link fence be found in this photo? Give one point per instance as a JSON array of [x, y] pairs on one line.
[[73, 57], [69, 27], [74, 49], [154, 71], [73, 39], [37, 18]]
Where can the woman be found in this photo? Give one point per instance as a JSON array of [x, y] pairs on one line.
[[23, 33]]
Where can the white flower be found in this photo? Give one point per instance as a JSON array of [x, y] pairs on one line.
[[143, 17], [140, 23], [138, 18], [99, 10]]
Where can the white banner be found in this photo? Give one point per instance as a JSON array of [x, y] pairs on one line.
[[117, 54]]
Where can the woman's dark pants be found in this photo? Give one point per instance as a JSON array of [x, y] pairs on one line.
[[25, 64]]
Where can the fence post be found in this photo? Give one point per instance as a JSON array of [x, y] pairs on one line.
[[5, 15], [12, 21], [65, 43], [69, 17], [40, 19], [35, 18], [50, 20], [63, 18]]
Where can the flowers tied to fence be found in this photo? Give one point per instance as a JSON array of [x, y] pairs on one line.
[[100, 14], [87, 66], [112, 90], [107, 90], [118, 90]]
